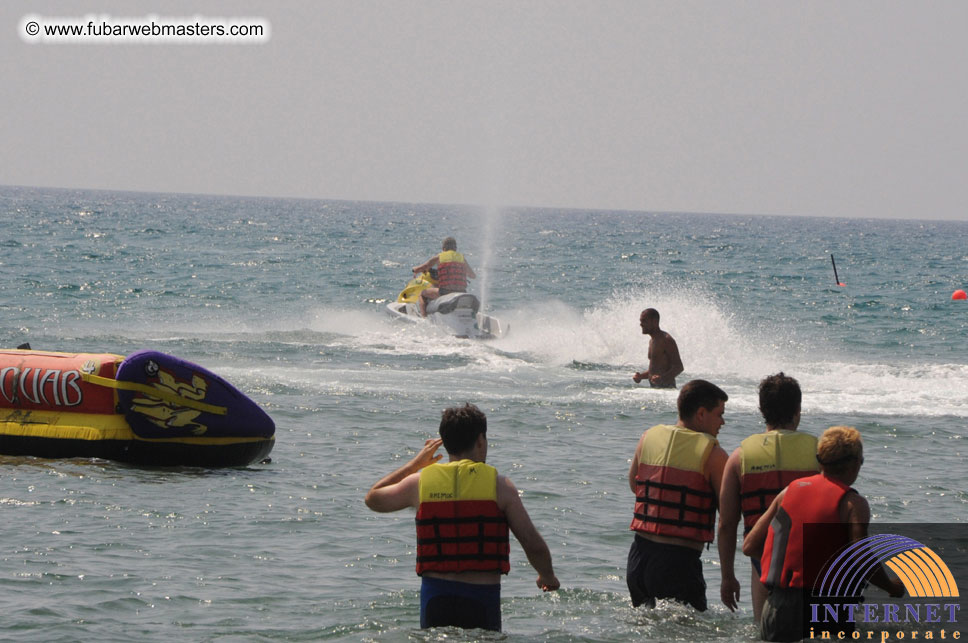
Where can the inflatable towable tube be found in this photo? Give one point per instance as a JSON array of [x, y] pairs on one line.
[[149, 408]]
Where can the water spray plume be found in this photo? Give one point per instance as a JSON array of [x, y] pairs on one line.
[[492, 216]]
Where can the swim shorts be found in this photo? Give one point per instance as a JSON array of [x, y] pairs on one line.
[[659, 570], [785, 616], [451, 603], [782, 618]]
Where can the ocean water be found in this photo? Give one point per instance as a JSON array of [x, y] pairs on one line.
[[285, 299]]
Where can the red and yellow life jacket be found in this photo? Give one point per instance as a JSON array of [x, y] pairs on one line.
[[771, 461], [460, 527], [452, 271], [808, 500], [673, 497]]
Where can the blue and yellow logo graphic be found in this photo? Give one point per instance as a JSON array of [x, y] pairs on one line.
[[922, 572]]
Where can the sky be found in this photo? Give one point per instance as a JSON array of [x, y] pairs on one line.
[[822, 108]]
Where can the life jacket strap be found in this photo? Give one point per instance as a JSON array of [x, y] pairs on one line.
[[678, 522]]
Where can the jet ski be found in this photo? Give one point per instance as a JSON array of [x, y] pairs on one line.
[[457, 313]]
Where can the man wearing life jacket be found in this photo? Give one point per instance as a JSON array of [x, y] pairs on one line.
[[452, 273], [464, 512], [675, 475], [755, 473], [792, 561]]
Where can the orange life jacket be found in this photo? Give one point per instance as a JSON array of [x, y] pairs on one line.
[[452, 271], [771, 461], [460, 527], [808, 500], [672, 495]]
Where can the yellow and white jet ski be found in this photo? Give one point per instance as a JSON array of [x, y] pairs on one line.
[[457, 313]]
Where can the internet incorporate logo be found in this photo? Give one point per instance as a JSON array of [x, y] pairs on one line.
[[838, 605], [922, 572]]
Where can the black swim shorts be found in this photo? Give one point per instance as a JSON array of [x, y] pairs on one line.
[[786, 617], [658, 570], [450, 603]]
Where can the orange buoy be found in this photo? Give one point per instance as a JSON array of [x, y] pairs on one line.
[[959, 294]]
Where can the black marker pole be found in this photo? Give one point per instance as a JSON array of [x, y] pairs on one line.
[[836, 278]]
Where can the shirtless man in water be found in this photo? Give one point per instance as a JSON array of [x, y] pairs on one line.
[[664, 360]]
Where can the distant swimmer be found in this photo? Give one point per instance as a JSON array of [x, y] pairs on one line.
[[756, 472], [795, 548], [464, 511], [453, 272], [675, 475], [664, 361]]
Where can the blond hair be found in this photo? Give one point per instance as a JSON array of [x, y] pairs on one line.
[[838, 448]]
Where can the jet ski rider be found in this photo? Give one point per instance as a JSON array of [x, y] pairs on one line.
[[452, 273]]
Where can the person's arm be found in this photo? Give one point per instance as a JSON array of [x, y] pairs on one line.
[[470, 271], [401, 488], [535, 548], [754, 540], [857, 514], [715, 465], [646, 374], [729, 515], [634, 468], [425, 266]]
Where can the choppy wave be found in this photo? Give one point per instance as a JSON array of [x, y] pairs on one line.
[[555, 345], [549, 337]]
